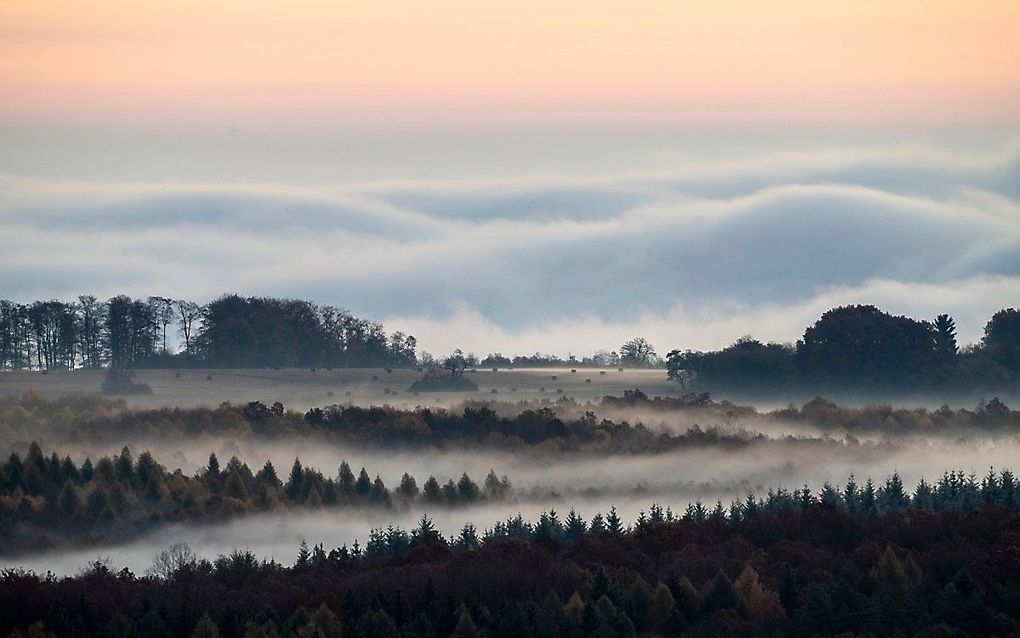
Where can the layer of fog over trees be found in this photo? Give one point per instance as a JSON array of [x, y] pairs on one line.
[[625, 452], [129, 425]]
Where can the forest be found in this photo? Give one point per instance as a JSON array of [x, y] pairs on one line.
[[48, 500], [613, 513], [792, 564], [230, 332], [863, 348], [560, 426], [859, 346]]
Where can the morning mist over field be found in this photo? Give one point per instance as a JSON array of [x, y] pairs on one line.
[[532, 319]]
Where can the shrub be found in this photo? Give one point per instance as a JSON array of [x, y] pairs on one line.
[[121, 381], [435, 380]]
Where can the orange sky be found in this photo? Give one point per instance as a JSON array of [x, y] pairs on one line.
[[481, 62]]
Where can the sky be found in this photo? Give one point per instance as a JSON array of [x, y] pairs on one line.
[[556, 176]]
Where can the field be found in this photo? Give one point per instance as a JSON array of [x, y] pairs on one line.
[[303, 389]]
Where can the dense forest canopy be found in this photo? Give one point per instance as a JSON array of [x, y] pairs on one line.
[[231, 331], [46, 500], [862, 348], [565, 426], [789, 564]]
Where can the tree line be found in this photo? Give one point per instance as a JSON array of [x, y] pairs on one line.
[[229, 332], [55, 498], [783, 567], [862, 348], [234, 332], [563, 427]]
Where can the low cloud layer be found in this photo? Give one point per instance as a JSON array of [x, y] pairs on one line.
[[692, 255]]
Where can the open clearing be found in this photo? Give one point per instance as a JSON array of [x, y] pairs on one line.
[[302, 388]]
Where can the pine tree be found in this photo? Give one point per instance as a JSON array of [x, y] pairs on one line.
[[304, 555], [924, 497], [467, 490], [212, 469], [295, 486], [345, 480], [69, 500], [363, 486], [851, 496], [432, 493], [613, 522], [468, 538], [425, 528], [891, 497], [945, 338], [868, 498], [408, 489], [267, 476], [379, 495], [574, 527], [235, 488]]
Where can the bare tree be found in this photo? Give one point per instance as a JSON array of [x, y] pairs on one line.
[[171, 560], [188, 312], [163, 312]]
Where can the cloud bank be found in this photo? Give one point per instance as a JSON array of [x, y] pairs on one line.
[[692, 255]]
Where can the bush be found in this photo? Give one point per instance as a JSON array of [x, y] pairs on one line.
[[121, 381], [436, 380]]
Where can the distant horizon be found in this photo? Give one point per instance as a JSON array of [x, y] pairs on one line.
[[539, 176]]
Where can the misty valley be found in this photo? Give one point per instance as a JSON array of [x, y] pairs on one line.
[[290, 469], [518, 511]]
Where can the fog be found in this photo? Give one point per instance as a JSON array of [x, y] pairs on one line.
[[628, 482]]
